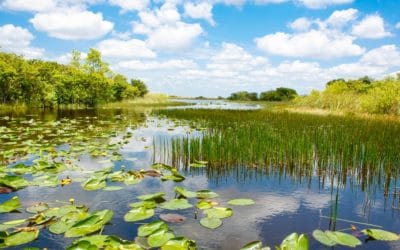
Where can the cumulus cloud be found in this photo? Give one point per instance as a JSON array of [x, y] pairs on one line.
[[387, 55], [313, 44], [372, 27], [125, 49], [340, 18], [23, 5], [72, 24], [200, 11], [18, 40], [165, 30], [130, 5], [319, 4], [301, 24]]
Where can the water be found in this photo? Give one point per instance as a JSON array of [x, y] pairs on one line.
[[284, 203], [216, 104]]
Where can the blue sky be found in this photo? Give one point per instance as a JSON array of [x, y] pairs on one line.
[[213, 47]]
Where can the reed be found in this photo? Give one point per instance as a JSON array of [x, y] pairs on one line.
[[297, 144]]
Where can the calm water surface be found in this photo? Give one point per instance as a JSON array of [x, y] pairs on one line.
[[284, 203]]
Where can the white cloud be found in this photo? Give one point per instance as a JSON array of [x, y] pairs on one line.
[[387, 55], [129, 5], [72, 24], [18, 40], [23, 5], [313, 44], [340, 18], [301, 24], [157, 65], [370, 27], [125, 49], [398, 25], [165, 30], [319, 4], [200, 11]]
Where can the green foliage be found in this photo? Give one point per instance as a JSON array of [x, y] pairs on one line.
[[363, 95], [47, 84], [243, 96], [280, 94], [140, 86]]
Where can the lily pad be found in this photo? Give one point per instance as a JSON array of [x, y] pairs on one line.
[[254, 245], [137, 214], [379, 234], [295, 242], [184, 192], [97, 240], [343, 238], [204, 204], [241, 202], [159, 237], [91, 224], [112, 188], [149, 228], [179, 243], [176, 204], [10, 205], [206, 194], [323, 238], [172, 218], [37, 208], [154, 196], [218, 212], [10, 224], [211, 223], [94, 184], [83, 245], [145, 204], [21, 237], [13, 181]]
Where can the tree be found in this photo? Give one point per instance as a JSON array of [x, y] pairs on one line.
[[75, 59], [243, 96], [279, 94], [94, 63], [141, 86]]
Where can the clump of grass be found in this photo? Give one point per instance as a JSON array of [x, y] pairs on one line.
[[149, 100], [298, 144]]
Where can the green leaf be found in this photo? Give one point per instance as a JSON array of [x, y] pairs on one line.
[[211, 223], [241, 202], [83, 245], [179, 243], [295, 242], [10, 205], [185, 193], [37, 208], [149, 228], [137, 214], [21, 237], [94, 184], [97, 240], [112, 188], [204, 204], [323, 238], [176, 204], [379, 234], [10, 224], [145, 204], [218, 212], [254, 245], [159, 237], [343, 238], [206, 194], [14, 182], [154, 196], [91, 224], [67, 221]]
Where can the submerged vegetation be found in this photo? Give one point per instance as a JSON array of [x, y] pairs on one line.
[[357, 96], [47, 84]]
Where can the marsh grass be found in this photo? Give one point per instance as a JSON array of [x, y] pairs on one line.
[[295, 144]]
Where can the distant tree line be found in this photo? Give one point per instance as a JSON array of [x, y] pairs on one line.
[[41, 83], [277, 95]]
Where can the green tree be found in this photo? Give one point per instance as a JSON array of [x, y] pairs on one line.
[[141, 86]]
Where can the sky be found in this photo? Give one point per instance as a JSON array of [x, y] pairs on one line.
[[213, 47]]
